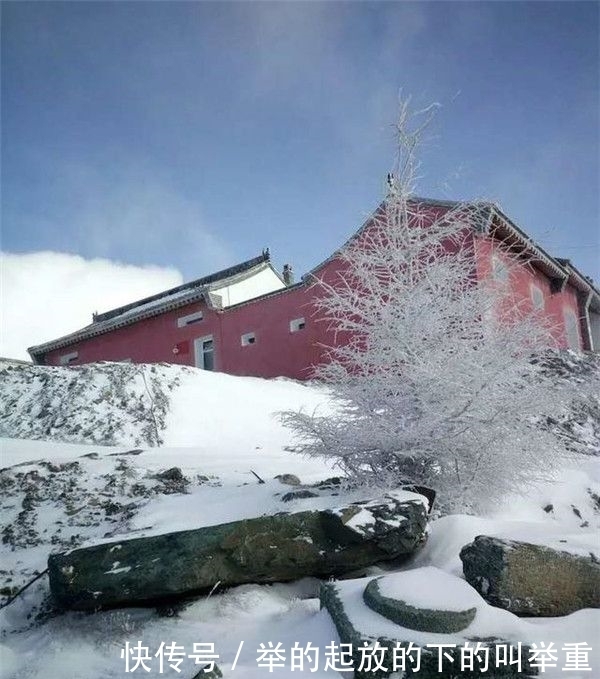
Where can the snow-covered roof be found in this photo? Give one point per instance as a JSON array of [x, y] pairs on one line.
[[174, 298], [484, 209], [493, 222], [504, 228]]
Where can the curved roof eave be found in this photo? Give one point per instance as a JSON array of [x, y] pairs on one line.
[[102, 327]]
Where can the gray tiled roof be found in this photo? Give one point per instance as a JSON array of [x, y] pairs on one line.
[[154, 305]]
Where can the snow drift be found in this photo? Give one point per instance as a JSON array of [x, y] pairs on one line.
[[84, 462]]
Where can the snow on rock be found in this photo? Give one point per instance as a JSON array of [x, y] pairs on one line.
[[363, 517], [105, 403], [429, 587], [579, 428], [276, 547], [439, 607]]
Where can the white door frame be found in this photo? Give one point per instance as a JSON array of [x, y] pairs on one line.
[[199, 351]]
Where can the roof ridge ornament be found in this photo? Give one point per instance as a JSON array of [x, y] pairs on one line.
[[392, 183]]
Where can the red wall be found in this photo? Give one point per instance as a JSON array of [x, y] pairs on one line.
[[149, 341], [522, 277], [276, 352]]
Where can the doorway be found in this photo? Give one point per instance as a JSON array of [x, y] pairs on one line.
[[204, 352]]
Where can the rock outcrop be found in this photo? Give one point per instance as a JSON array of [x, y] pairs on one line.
[[531, 580], [266, 549]]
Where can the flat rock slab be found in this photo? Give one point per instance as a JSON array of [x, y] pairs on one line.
[[531, 580], [359, 625], [444, 604], [275, 548]]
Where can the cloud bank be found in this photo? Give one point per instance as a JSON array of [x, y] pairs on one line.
[[49, 294]]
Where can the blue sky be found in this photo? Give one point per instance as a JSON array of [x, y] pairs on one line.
[[192, 135]]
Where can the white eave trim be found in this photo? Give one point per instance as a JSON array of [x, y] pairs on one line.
[[529, 245], [243, 276]]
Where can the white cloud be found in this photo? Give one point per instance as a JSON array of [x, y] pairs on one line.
[[49, 294]]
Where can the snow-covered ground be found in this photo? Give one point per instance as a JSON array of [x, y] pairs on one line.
[[220, 431]]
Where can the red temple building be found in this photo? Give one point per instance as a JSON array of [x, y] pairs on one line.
[[251, 320]]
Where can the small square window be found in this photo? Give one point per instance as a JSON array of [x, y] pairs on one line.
[[297, 324], [65, 359], [189, 319], [248, 338]]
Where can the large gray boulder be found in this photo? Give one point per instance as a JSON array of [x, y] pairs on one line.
[[266, 549], [531, 580]]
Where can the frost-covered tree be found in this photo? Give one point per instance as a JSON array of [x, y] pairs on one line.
[[433, 378]]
